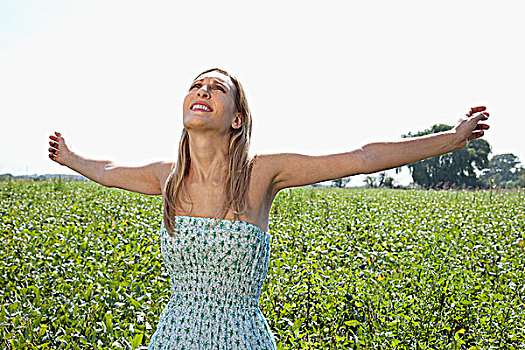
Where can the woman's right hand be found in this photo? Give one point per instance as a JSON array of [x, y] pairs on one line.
[[58, 151]]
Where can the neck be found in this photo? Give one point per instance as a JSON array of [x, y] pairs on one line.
[[209, 157]]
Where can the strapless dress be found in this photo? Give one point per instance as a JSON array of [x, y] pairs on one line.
[[216, 274]]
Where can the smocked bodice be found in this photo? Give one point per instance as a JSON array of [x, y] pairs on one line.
[[216, 274]]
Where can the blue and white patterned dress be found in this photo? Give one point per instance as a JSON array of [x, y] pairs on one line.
[[216, 278]]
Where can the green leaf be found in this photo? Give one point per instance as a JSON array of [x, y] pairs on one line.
[[137, 340], [109, 322], [42, 330], [498, 296], [134, 302]]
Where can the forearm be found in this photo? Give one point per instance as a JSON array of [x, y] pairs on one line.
[[388, 155], [93, 169]]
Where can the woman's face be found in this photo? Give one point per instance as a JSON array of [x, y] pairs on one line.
[[210, 104]]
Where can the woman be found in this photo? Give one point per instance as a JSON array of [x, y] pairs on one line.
[[214, 234]]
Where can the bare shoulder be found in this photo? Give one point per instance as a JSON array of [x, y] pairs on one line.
[[293, 169], [265, 162], [268, 167], [163, 170]]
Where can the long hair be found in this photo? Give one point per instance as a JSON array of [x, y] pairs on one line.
[[239, 167]]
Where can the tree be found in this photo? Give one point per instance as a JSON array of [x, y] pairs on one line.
[[504, 171], [385, 180], [371, 181], [455, 169], [521, 178], [381, 180], [341, 182]]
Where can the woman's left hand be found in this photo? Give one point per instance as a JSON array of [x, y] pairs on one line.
[[469, 127]]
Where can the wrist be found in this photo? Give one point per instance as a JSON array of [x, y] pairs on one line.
[[68, 158], [457, 141]]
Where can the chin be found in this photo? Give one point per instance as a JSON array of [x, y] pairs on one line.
[[195, 122]]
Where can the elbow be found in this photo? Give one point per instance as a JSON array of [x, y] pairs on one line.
[[367, 160], [103, 177]]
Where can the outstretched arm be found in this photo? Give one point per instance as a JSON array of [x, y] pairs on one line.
[[147, 179], [292, 170], [388, 155]]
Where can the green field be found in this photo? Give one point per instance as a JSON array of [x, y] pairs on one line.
[[80, 268]]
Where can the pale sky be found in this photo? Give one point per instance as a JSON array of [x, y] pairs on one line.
[[321, 77]]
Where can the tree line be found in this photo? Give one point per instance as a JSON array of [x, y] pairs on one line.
[[468, 167]]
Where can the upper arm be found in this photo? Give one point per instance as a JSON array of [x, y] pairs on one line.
[[146, 179], [291, 169]]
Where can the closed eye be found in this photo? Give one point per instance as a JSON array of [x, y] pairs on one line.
[[198, 85]]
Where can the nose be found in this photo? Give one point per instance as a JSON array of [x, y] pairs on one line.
[[203, 91]]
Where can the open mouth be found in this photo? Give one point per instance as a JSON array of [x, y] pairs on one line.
[[201, 107]]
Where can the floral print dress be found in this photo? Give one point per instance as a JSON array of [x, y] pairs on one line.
[[217, 268]]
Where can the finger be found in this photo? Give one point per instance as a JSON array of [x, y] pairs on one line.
[[476, 134], [53, 144], [469, 114], [54, 138], [481, 116], [482, 127], [477, 109], [58, 134]]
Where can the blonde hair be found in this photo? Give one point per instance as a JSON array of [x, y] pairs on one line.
[[239, 167]]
